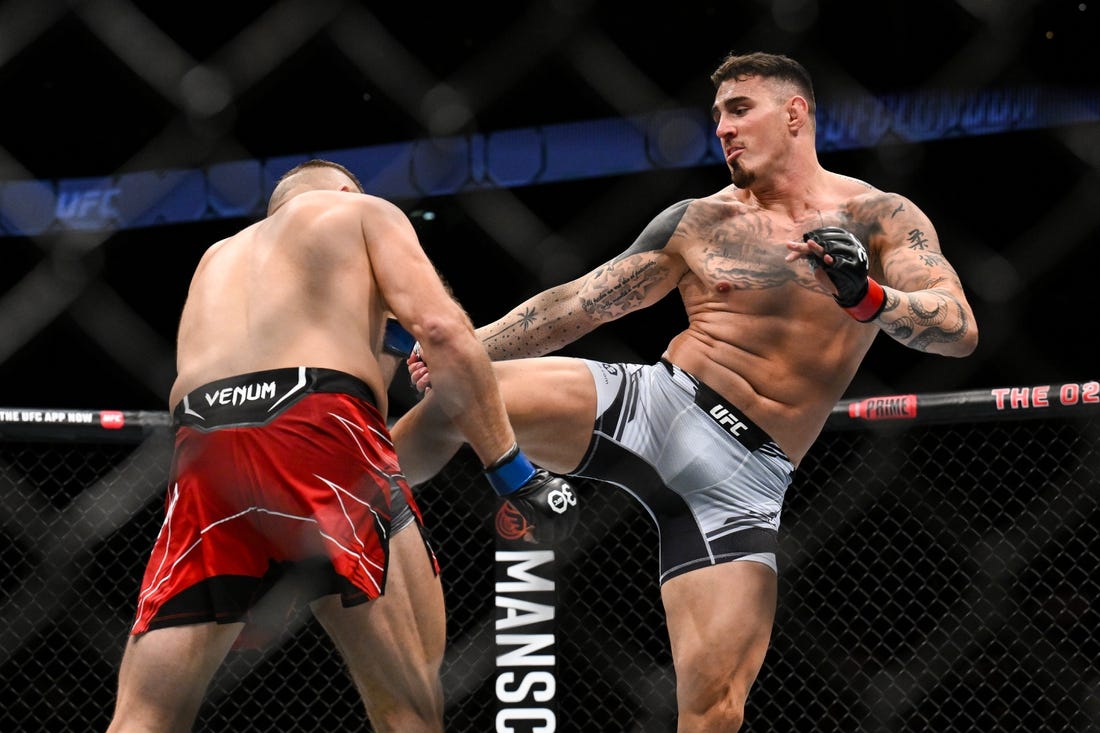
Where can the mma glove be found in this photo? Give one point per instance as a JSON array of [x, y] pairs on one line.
[[397, 340], [400, 342], [546, 503], [859, 295]]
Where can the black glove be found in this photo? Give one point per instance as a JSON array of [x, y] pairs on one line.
[[536, 502], [856, 293], [544, 508]]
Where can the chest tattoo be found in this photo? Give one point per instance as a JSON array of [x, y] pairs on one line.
[[744, 254]]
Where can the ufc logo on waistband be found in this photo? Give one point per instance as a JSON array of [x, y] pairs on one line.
[[728, 420]]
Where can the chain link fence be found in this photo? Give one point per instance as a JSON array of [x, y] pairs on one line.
[[934, 577], [541, 137]]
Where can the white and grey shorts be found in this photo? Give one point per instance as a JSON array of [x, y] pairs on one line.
[[711, 479]]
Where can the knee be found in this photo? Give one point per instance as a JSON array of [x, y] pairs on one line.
[[726, 717], [710, 707]]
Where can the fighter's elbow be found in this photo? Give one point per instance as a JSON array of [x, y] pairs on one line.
[[964, 345], [443, 333], [969, 343]]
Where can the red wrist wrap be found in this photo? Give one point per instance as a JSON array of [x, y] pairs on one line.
[[872, 304]]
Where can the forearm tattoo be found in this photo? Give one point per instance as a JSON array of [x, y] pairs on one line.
[[923, 307], [523, 321], [515, 336], [562, 315], [920, 320]]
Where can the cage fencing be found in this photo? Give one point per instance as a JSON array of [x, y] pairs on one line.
[[937, 559]]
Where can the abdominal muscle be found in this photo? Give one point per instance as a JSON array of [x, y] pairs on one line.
[[785, 374]]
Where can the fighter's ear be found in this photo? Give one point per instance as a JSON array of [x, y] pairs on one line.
[[798, 112]]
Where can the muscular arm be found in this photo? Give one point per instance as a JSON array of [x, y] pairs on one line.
[[926, 308], [465, 388], [636, 279], [923, 304]]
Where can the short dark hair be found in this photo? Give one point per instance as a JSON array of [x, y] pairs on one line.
[[320, 163], [283, 187], [769, 66]]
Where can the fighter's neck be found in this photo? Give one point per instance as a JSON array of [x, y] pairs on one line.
[[793, 194]]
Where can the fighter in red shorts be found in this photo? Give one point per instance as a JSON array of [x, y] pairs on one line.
[[232, 529], [284, 487]]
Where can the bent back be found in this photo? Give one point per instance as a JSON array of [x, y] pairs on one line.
[[293, 289]]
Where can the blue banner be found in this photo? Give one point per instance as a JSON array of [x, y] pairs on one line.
[[410, 171]]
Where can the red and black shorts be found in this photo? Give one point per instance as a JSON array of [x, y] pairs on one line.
[[284, 479]]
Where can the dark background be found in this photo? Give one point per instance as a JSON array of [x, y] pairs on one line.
[[934, 579], [101, 88]]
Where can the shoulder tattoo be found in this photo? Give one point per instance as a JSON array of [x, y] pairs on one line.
[[657, 233]]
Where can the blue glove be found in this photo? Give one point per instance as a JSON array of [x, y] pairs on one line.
[[397, 340], [546, 503]]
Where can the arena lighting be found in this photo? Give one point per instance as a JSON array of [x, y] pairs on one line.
[[518, 157]]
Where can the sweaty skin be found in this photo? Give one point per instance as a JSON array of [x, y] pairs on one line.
[[292, 290], [312, 285], [762, 330], [285, 292]]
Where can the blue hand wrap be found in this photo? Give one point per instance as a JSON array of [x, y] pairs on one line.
[[510, 472], [397, 340]]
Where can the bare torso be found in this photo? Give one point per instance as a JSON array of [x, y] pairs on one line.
[[761, 331], [294, 289], [763, 327]]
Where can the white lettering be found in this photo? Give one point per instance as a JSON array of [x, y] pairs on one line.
[[527, 643], [724, 417], [516, 574], [240, 395], [541, 686], [522, 563], [560, 500], [505, 717], [522, 613]]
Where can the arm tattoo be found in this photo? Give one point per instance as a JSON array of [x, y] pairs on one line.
[[620, 286], [924, 306], [919, 325], [917, 240], [524, 321], [562, 314]]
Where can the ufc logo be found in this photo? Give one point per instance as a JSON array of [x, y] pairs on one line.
[[727, 420]]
